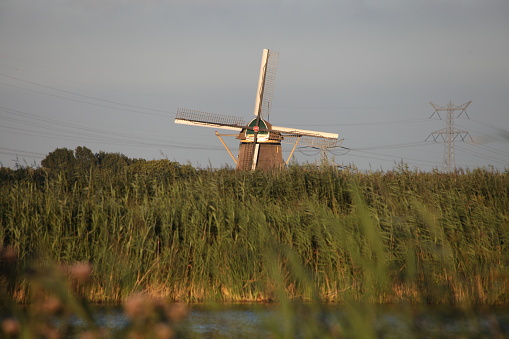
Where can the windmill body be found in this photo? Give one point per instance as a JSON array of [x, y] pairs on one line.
[[260, 148], [260, 142]]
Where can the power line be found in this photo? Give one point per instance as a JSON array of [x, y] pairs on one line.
[[485, 149], [401, 145], [81, 95], [11, 151], [69, 131], [405, 121], [82, 101], [482, 155]]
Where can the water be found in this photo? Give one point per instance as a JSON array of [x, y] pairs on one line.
[[386, 321]]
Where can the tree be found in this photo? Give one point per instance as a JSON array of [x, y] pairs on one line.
[[84, 158], [112, 161], [60, 159]]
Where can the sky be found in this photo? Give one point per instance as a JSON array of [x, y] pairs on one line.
[[110, 75]]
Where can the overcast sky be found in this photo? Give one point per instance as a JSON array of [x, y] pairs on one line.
[[110, 75]]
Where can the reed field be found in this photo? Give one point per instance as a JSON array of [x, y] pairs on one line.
[[156, 235], [304, 233]]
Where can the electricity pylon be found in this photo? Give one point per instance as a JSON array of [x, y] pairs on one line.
[[449, 134]]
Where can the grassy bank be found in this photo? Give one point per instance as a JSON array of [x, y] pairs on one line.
[[305, 233]]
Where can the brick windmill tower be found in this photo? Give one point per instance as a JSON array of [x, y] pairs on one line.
[[260, 142]]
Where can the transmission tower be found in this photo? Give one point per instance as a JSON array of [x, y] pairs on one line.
[[449, 134]]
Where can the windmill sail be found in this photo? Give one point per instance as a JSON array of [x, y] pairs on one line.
[[266, 83], [320, 143], [303, 132], [197, 118]]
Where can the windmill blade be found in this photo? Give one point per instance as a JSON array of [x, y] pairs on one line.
[[303, 132], [255, 156], [196, 118], [314, 142], [266, 82]]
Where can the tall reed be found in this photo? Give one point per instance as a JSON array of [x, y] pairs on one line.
[[194, 234]]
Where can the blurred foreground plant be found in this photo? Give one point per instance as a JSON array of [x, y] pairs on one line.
[[58, 307]]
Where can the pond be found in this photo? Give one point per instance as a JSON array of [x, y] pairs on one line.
[[302, 320]]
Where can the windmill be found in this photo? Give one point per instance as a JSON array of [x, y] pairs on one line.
[[260, 142]]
